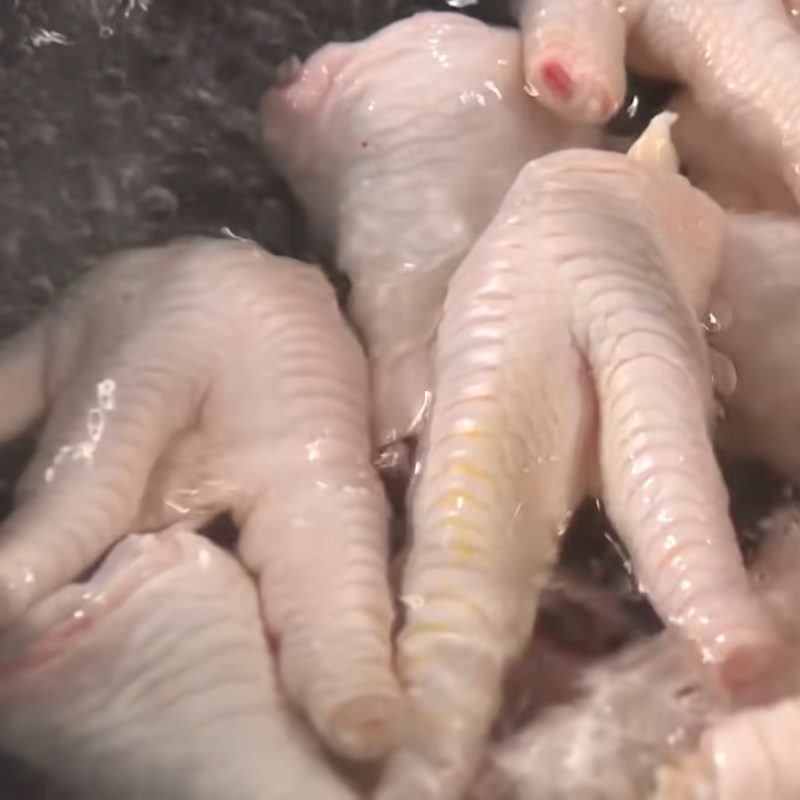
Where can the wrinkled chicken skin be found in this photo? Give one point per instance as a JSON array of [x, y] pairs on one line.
[[561, 328], [400, 148], [154, 680], [644, 708], [207, 375], [715, 160], [740, 58], [756, 306]]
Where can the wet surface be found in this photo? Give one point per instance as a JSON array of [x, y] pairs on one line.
[[128, 122]]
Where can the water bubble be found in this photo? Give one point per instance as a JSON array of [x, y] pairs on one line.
[[718, 318]]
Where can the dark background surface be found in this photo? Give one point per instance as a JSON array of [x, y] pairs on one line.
[[126, 122]]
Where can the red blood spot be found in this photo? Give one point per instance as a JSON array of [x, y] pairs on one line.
[[557, 79]]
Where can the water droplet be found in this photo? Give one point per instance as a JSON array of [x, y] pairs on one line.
[[228, 233], [718, 318], [710, 323]]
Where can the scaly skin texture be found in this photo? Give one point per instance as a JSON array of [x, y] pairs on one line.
[[647, 707], [569, 348], [154, 680], [740, 59], [756, 304], [755, 308], [199, 377], [400, 148]]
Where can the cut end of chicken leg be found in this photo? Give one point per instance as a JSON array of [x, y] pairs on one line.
[[655, 145], [579, 98], [573, 56]]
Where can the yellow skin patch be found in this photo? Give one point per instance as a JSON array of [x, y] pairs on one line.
[[468, 468]]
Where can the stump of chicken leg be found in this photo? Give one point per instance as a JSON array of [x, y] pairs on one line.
[[569, 353]]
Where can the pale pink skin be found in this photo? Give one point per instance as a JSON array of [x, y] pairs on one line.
[[756, 303], [569, 354], [400, 148], [754, 753], [645, 708], [715, 159], [740, 58], [154, 680], [194, 378], [751, 754]]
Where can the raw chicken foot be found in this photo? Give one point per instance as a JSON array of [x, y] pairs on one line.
[[740, 58], [154, 680], [755, 325], [573, 319], [400, 148], [645, 707], [202, 376], [754, 753]]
